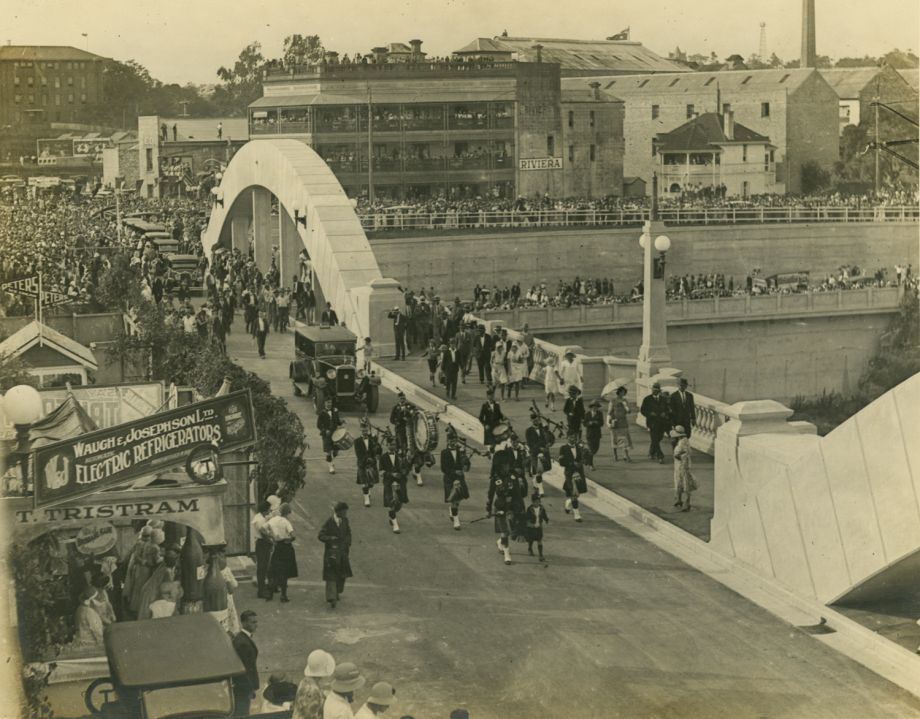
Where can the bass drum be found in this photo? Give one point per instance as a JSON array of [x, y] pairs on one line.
[[425, 425]]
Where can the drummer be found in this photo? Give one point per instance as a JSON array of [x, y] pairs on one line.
[[367, 450], [539, 440], [401, 419], [490, 416], [327, 423]]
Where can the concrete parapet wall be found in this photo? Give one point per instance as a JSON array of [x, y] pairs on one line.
[[820, 515]]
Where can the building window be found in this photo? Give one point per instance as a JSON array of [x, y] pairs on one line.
[[726, 108], [16, 81], [70, 81], [766, 161], [592, 153], [550, 145], [656, 110], [591, 118], [70, 98], [57, 99], [765, 109], [571, 118], [83, 98], [44, 82], [31, 99], [82, 83], [44, 99], [571, 153], [30, 81], [17, 98], [690, 111], [149, 159], [57, 82], [744, 153]]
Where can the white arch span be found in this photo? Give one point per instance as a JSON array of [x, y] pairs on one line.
[[345, 265]]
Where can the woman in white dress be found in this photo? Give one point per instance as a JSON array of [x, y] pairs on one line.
[[551, 382], [499, 375], [517, 367]]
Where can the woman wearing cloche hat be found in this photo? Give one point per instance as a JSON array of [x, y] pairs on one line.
[[308, 703], [378, 702], [346, 681]]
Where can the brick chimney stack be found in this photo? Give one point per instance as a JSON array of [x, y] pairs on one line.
[[539, 49], [728, 120], [809, 56], [595, 90]]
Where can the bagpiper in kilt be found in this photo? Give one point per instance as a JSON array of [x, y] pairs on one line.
[[327, 422], [539, 441], [454, 465], [505, 501], [571, 458], [394, 469], [367, 450]]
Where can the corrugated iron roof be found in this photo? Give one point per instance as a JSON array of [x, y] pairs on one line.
[[849, 82], [733, 80], [588, 55], [704, 131], [912, 76], [45, 53], [587, 95]]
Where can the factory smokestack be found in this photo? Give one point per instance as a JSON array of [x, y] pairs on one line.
[[809, 56]]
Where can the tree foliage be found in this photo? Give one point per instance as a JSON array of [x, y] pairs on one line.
[[815, 178], [302, 50], [242, 83]]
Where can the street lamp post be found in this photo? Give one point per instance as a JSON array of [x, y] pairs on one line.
[[653, 353], [23, 406]]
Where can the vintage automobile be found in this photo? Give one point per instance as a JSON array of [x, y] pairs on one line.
[[324, 366], [146, 680]]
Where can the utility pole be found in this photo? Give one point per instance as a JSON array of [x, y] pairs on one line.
[[876, 136], [370, 145]]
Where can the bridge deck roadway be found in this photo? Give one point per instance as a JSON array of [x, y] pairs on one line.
[[611, 626]]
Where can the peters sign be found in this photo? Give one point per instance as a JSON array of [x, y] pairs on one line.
[[541, 163], [108, 457]]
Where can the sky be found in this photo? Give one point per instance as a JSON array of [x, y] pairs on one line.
[[186, 41]]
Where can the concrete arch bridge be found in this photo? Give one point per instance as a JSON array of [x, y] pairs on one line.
[[283, 198]]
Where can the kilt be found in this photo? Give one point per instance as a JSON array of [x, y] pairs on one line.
[[328, 447], [367, 476], [283, 564], [580, 483], [390, 498], [502, 526], [533, 534], [463, 489]]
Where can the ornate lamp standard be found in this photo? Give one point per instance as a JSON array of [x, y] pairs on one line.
[[23, 406], [653, 353]]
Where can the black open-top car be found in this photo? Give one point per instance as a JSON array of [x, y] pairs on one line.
[[324, 366]]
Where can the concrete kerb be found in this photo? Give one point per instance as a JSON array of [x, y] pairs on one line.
[[887, 659]]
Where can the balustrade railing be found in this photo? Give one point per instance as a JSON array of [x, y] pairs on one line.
[[710, 415], [503, 219]]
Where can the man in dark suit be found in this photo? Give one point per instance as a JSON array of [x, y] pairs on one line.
[[329, 317], [450, 367], [261, 332], [246, 686], [336, 535], [464, 350], [683, 408], [482, 350], [657, 413], [298, 294], [400, 321]]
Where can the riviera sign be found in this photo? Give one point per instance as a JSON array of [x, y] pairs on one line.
[[108, 457], [541, 163]]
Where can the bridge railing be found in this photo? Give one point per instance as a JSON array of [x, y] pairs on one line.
[[387, 220]]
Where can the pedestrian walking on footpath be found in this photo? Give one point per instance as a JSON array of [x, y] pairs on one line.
[[335, 534], [367, 450], [346, 681], [260, 329], [536, 518], [378, 702], [657, 417], [394, 469], [311, 692], [246, 685], [283, 565], [263, 547], [327, 422], [618, 421], [684, 483], [220, 130], [574, 410], [594, 421]]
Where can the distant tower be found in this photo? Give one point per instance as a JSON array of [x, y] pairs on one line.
[[809, 53], [763, 42]]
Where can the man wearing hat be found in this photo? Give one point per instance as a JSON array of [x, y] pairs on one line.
[[367, 450], [335, 534], [378, 702], [657, 419], [574, 410], [539, 440], [464, 339], [346, 681], [454, 465], [482, 351], [328, 422], [490, 416], [399, 332], [571, 459], [450, 368], [401, 418], [394, 467], [683, 407], [594, 420]]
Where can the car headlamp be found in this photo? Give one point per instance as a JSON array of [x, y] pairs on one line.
[[330, 373]]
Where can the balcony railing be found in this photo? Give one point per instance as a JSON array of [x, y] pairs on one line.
[[392, 69], [503, 219]]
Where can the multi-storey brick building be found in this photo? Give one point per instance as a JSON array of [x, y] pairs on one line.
[[858, 87], [795, 108], [458, 129], [47, 83]]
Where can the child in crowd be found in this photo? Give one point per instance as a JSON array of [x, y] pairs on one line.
[[368, 354], [536, 518]]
